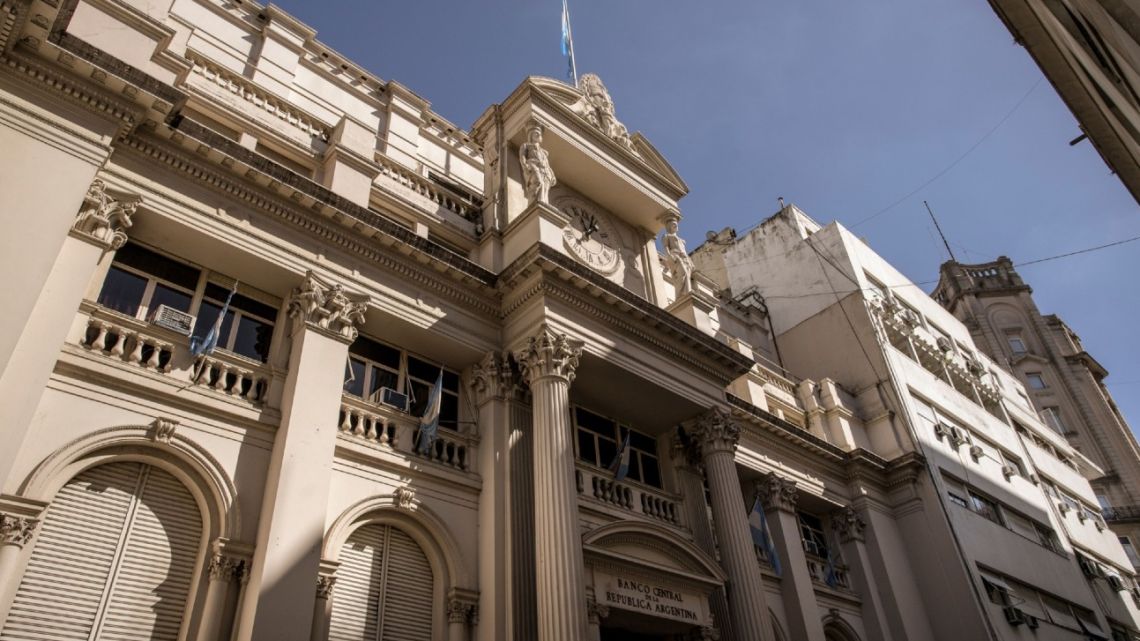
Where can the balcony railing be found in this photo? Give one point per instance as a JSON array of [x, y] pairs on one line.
[[818, 571], [392, 429], [655, 504], [1121, 513]]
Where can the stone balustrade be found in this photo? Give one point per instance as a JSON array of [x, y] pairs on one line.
[[232, 376], [817, 570], [654, 504], [130, 340], [398, 431], [425, 188]]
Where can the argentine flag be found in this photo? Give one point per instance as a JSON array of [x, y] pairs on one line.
[[761, 536], [568, 43], [429, 423], [620, 464], [210, 341]]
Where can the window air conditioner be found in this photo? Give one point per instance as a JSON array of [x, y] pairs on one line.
[[1115, 582], [940, 430], [1064, 507], [957, 436], [1034, 479], [1082, 515], [976, 452], [1031, 621], [1087, 567], [172, 319], [392, 398], [944, 344], [1008, 471], [1013, 616]]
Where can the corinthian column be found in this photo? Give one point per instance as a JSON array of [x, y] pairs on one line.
[[717, 435], [548, 363]]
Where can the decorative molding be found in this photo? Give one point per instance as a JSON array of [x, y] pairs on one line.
[[777, 493], [230, 561], [597, 108], [16, 530], [462, 610], [325, 585], [404, 497], [326, 306], [548, 354], [104, 218], [716, 431], [494, 378], [162, 429], [848, 525], [595, 611]]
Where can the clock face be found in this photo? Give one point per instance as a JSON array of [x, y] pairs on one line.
[[591, 239]]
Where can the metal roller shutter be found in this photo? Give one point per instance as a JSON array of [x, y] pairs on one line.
[[114, 560], [384, 588]]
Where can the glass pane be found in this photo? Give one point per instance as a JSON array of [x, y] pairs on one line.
[[381, 378], [419, 393], [639, 441], [207, 316], [164, 295], [354, 377], [451, 381], [449, 411], [650, 473], [158, 265], [634, 467], [122, 291], [253, 337], [607, 450], [422, 370], [586, 450], [219, 294], [595, 423], [378, 352]]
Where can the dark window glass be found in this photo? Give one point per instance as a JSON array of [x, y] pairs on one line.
[[957, 500], [639, 441], [449, 411], [451, 381], [244, 303], [158, 265], [634, 466], [207, 316], [354, 377], [253, 338], [985, 507], [595, 423], [377, 352], [419, 397], [607, 450], [381, 378], [651, 474], [122, 291], [170, 297], [422, 370], [586, 449]]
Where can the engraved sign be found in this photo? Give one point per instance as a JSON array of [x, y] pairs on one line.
[[650, 598]]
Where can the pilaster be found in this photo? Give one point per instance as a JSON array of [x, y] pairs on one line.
[[850, 529], [717, 435], [228, 572], [282, 596], [548, 362], [778, 496], [462, 615], [19, 521]]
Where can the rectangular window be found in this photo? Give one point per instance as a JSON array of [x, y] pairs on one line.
[[141, 280], [1046, 537], [997, 590], [958, 500], [1016, 345], [373, 366], [247, 328], [1060, 612], [1035, 381], [1052, 417], [811, 532], [598, 440], [1129, 550], [985, 507]]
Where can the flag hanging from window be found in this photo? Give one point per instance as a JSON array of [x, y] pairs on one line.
[[762, 536], [620, 464], [429, 423], [568, 44], [831, 573], [207, 344]]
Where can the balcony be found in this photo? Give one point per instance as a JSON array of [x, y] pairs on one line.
[[621, 499], [817, 570], [1121, 514], [391, 430], [129, 343]]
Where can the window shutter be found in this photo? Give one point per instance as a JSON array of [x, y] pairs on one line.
[[115, 555], [408, 595], [356, 595]]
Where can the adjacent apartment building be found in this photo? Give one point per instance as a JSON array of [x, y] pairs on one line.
[[288, 356], [1063, 381]]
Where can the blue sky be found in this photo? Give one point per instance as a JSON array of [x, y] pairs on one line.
[[843, 108]]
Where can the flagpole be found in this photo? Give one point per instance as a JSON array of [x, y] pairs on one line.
[[570, 41]]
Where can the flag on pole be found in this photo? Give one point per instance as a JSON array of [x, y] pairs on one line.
[[762, 536], [620, 464], [831, 574], [568, 44], [429, 423], [207, 344]]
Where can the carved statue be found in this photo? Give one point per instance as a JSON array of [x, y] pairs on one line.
[[105, 218], [597, 107], [328, 306], [538, 177], [678, 258]]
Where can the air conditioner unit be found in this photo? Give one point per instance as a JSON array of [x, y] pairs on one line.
[[944, 344], [1087, 567], [1064, 507], [1099, 525], [1034, 479], [1013, 616], [1008, 471], [941, 429], [392, 398], [958, 436], [1115, 582], [172, 319], [1031, 621], [976, 452]]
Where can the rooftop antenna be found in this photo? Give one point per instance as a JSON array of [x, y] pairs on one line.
[[940, 234]]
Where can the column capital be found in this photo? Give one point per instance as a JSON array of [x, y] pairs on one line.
[[230, 561], [848, 525], [777, 493], [104, 219], [548, 354], [705, 633], [463, 607], [325, 306], [595, 611], [716, 431], [325, 585], [685, 449], [494, 378], [16, 530]]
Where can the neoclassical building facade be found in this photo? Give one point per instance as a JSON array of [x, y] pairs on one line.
[[247, 268]]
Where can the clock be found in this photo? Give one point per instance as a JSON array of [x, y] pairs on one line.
[[590, 238]]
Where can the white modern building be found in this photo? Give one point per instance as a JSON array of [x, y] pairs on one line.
[[172, 472]]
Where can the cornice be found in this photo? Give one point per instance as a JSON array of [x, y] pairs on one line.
[[314, 222]]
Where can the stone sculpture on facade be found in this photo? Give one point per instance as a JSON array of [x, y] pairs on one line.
[[676, 256], [327, 306], [104, 217], [538, 177], [597, 107]]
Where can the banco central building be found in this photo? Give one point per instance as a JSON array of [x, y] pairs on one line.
[[286, 356]]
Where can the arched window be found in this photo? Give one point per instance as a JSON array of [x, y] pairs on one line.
[[837, 630], [384, 588], [114, 559]]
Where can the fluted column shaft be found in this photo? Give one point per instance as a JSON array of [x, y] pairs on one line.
[[548, 364], [801, 610], [717, 436]]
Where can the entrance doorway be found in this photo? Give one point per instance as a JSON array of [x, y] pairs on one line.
[[616, 634], [622, 625]]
